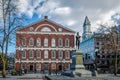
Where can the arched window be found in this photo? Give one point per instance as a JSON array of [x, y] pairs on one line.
[[67, 42], [60, 54], [24, 42], [46, 42], [53, 42], [31, 54], [38, 42], [38, 66], [67, 55], [60, 44], [67, 66], [53, 54], [31, 42], [45, 54], [23, 53], [23, 66], [38, 54]]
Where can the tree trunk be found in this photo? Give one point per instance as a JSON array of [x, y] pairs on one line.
[[4, 70]]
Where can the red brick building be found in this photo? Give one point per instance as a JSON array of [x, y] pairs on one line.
[[44, 45]]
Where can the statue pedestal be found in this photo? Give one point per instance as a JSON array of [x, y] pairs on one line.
[[79, 68]]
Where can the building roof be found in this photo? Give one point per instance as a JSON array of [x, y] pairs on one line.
[[86, 22], [46, 20]]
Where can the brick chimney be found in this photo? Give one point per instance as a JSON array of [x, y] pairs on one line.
[[45, 17]]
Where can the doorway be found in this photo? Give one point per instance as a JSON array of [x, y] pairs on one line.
[[46, 68], [31, 67], [60, 67]]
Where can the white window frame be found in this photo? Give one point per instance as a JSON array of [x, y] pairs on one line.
[[67, 65], [23, 64], [32, 42], [67, 55], [38, 42], [37, 54], [30, 54], [38, 66], [24, 54], [46, 42], [24, 43], [53, 42], [46, 54], [60, 55], [53, 53], [59, 42], [67, 44]]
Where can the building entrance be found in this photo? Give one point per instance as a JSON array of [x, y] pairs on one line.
[[31, 67], [60, 67]]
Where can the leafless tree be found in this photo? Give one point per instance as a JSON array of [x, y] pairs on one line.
[[9, 22], [113, 36]]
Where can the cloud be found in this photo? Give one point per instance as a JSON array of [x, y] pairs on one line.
[[71, 13], [63, 10]]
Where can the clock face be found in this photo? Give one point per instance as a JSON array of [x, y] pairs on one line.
[[60, 29]]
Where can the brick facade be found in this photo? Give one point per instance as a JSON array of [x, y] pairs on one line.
[[45, 29]]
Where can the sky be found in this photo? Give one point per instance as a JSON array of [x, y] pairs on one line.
[[71, 13]]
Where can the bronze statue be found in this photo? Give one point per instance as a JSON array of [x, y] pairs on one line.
[[78, 40]]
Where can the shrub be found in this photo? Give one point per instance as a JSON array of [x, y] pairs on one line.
[[13, 72]]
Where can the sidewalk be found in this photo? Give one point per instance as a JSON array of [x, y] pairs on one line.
[[24, 77]]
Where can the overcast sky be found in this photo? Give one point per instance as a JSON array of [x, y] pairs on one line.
[[71, 13]]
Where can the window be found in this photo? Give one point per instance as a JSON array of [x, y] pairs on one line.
[[53, 42], [46, 42], [60, 54], [67, 66], [38, 42], [31, 42], [45, 29], [23, 66], [67, 55], [45, 54], [31, 54], [53, 54], [23, 41], [60, 42], [38, 66], [38, 54], [67, 42], [23, 53], [97, 43]]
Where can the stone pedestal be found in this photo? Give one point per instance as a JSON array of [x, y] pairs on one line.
[[79, 68]]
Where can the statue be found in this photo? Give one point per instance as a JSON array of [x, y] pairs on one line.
[[78, 40]]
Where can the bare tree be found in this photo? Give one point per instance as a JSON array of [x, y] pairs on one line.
[[9, 23], [112, 33]]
